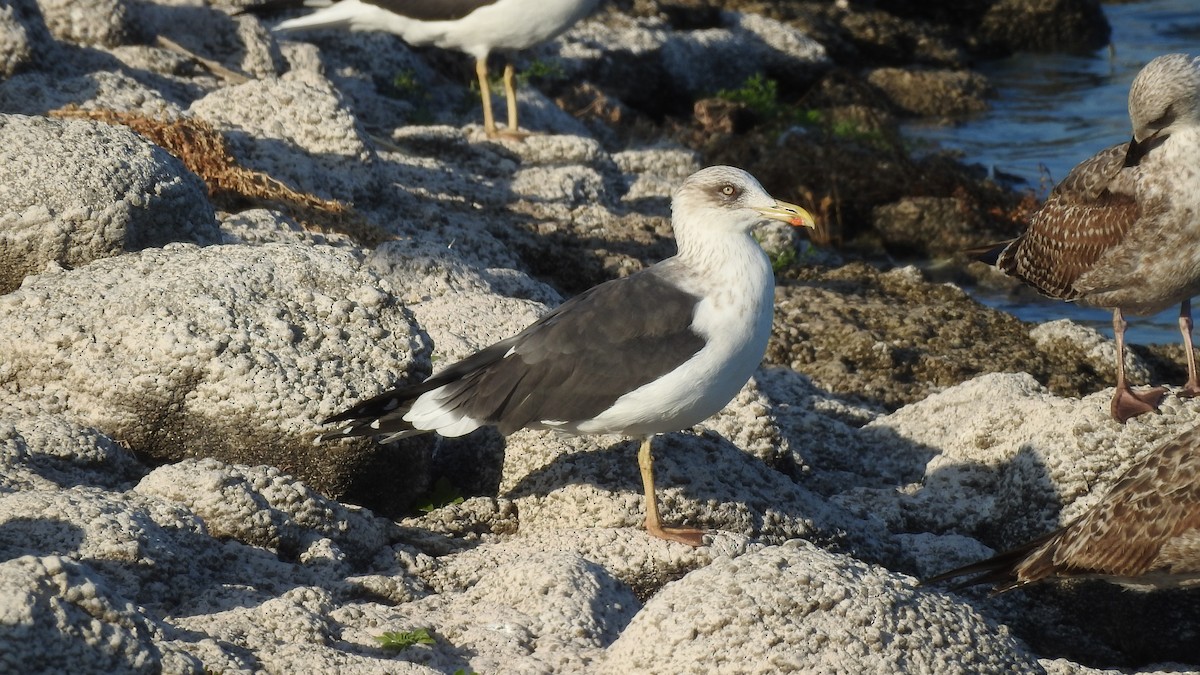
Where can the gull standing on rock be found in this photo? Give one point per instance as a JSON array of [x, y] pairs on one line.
[[1123, 229], [658, 351], [1145, 533], [476, 27]]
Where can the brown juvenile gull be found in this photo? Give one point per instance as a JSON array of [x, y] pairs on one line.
[[1145, 533], [1123, 229], [476, 27], [658, 351]]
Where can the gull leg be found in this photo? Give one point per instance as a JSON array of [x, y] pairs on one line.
[[685, 535], [1126, 403], [489, 122], [510, 95], [1192, 388]]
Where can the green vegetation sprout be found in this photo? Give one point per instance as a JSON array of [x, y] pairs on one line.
[[399, 640], [443, 494]]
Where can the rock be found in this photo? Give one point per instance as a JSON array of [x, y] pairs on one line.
[[15, 49], [1090, 349], [891, 339], [278, 125], [48, 452], [263, 507], [60, 616], [163, 507], [881, 38], [702, 62], [36, 92], [87, 22], [78, 191], [932, 93], [1038, 26], [797, 608], [1013, 463], [937, 225], [849, 169], [647, 66], [241, 42], [240, 350]]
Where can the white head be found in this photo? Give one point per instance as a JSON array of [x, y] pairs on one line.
[[726, 200], [1165, 97]]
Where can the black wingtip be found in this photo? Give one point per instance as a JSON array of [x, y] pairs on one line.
[[1000, 570], [988, 253], [1000, 578], [268, 8]]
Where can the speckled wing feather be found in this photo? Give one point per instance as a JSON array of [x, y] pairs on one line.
[[1130, 533], [1086, 215], [570, 365], [1145, 530]]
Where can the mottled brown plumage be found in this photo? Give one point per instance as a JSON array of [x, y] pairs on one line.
[[1087, 214], [1123, 229], [1144, 533]]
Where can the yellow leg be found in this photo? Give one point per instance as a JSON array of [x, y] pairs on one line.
[[489, 122], [685, 535], [510, 92]]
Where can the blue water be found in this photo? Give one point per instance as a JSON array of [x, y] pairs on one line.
[[1052, 111]]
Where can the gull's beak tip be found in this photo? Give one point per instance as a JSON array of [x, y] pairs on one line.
[[800, 217], [789, 213], [803, 220]]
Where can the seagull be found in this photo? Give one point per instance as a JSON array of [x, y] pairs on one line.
[[1145, 533], [1122, 230], [658, 351], [476, 27]]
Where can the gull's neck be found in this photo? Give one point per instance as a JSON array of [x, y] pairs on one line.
[[728, 260]]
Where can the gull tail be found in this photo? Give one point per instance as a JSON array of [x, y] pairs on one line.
[[340, 15], [381, 416]]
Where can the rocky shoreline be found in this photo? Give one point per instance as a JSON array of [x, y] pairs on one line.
[[317, 219]]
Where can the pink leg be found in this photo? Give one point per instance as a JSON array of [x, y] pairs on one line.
[[1126, 403], [1192, 388]]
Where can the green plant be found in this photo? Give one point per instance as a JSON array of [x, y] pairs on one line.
[[844, 128], [405, 83], [544, 71], [399, 640], [783, 260], [442, 494], [759, 93]]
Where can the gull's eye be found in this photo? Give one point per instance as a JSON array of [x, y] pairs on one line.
[[729, 190]]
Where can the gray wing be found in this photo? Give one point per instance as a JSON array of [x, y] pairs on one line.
[[570, 365], [576, 361], [431, 10], [1091, 211]]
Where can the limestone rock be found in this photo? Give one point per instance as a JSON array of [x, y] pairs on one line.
[[78, 191]]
